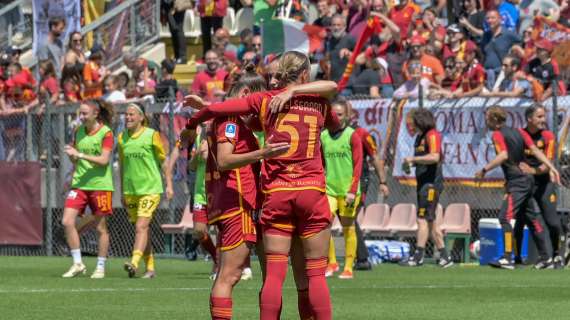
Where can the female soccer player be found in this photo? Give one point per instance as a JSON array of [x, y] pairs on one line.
[[197, 163], [232, 181], [428, 161], [343, 161], [92, 183], [141, 156], [294, 183]]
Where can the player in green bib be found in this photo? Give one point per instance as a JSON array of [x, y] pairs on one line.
[[343, 165], [141, 156], [92, 183], [197, 162]]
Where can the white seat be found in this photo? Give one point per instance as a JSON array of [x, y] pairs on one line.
[[244, 19], [230, 21], [195, 27]]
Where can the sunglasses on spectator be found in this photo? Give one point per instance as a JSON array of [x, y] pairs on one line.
[[77, 40], [506, 65], [257, 44]]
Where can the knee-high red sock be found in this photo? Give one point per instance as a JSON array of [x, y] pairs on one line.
[[220, 308], [319, 295], [304, 305], [208, 245], [270, 297]]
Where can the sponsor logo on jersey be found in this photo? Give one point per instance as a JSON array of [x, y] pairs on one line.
[[230, 131]]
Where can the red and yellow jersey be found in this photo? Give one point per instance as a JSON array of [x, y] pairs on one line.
[[368, 144], [299, 124], [232, 191]]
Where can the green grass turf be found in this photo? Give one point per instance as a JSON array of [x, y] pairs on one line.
[[31, 288]]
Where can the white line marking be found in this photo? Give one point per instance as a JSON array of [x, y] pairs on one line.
[[387, 287]]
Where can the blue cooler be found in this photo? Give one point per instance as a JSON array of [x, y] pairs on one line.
[[491, 241]]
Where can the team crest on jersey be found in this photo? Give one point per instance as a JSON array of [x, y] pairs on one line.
[[230, 131]]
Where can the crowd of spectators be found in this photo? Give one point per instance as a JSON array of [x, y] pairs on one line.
[[464, 48], [451, 49]]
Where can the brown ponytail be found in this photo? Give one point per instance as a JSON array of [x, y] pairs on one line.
[[106, 110]]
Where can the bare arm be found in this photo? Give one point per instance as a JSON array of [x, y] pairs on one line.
[[228, 160]]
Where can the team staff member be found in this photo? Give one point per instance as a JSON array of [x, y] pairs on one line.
[[197, 163], [141, 157], [92, 183], [370, 153], [294, 183], [428, 161], [232, 181], [509, 145], [544, 189], [343, 167]]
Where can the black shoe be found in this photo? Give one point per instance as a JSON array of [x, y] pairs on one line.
[[503, 263], [363, 265], [544, 263], [445, 262], [519, 261], [191, 255], [412, 262]]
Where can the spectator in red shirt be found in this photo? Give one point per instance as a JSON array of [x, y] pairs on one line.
[[455, 43], [473, 76], [212, 13], [432, 68], [71, 84], [209, 84], [48, 83], [403, 13], [428, 26]]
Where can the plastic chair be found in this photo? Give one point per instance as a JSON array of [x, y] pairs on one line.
[[244, 19], [185, 225], [376, 219], [457, 225], [195, 27], [230, 21], [403, 220]]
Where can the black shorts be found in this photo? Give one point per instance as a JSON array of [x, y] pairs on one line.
[[428, 198]]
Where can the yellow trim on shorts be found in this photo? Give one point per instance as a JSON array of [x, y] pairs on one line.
[[225, 216], [233, 246]]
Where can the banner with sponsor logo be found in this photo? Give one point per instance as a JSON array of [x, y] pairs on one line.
[[43, 10], [466, 142], [374, 116]]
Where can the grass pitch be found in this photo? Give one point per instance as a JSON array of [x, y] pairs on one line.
[[31, 288]]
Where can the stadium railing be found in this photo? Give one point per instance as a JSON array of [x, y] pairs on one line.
[[40, 137], [14, 20]]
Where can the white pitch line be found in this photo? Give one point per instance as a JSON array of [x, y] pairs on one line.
[[387, 287]]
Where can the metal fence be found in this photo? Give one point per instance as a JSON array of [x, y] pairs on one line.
[[40, 135]]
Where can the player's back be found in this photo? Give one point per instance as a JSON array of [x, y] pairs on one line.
[[299, 124]]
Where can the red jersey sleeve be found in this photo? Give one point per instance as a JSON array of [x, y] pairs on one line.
[[434, 141], [368, 145], [227, 130], [108, 141], [230, 107], [499, 142], [356, 146], [548, 137], [527, 139]]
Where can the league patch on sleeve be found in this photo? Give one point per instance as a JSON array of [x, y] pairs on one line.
[[230, 131]]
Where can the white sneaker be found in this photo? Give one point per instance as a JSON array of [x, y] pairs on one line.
[[75, 269], [99, 273], [246, 274]]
